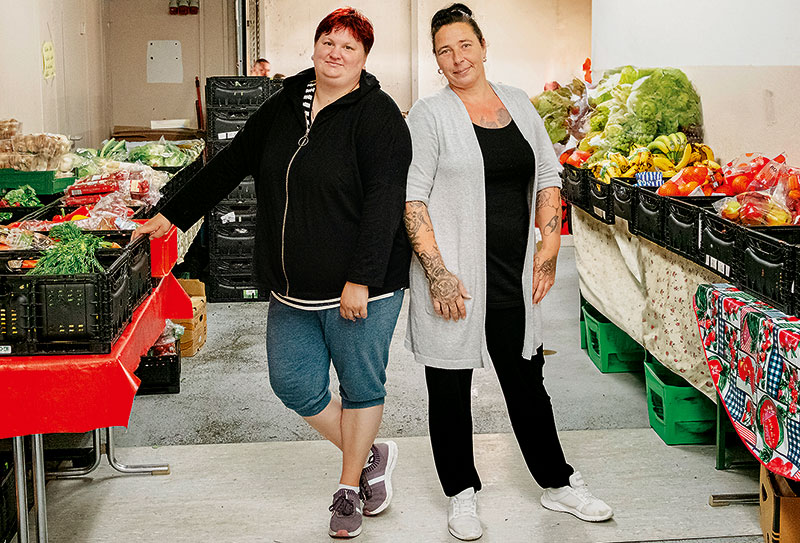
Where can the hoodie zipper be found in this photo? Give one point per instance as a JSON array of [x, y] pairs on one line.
[[302, 142]]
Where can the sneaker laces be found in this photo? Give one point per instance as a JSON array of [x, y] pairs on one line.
[[467, 506], [364, 490], [342, 504], [582, 492]]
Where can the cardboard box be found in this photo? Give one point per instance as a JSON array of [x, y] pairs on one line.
[[196, 328], [780, 513]]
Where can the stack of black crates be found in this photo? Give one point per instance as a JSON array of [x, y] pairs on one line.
[[231, 224]]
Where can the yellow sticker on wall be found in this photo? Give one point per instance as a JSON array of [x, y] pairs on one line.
[[48, 60]]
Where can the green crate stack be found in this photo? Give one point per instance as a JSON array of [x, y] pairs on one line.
[[609, 348], [679, 413]]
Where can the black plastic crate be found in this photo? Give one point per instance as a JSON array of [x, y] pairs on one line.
[[574, 186], [683, 217], [229, 91], [222, 265], [648, 215], [232, 230], [766, 264], [719, 251], [8, 502], [245, 193], [215, 147], [138, 264], [47, 212], [76, 314], [235, 289], [624, 197], [601, 200], [160, 374], [225, 123]]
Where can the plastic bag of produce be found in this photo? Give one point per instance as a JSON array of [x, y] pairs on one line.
[[159, 154], [756, 208], [564, 110]]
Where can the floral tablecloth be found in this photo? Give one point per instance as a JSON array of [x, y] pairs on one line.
[[646, 290], [752, 353]]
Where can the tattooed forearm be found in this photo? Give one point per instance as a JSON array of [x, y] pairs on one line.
[[443, 284], [552, 226], [548, 211]]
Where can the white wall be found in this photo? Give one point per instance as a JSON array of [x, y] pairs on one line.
[[743, 59], [73, 101], [289, 28], [530, 43]]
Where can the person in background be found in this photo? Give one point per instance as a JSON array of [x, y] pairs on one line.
[[329, 153], [483, 174], [260, 68]]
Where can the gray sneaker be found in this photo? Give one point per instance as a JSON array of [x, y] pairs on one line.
[[376, 478], [345, 514]]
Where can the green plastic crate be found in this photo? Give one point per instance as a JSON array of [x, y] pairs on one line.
[[42, 182], [679, 413], [582, 325], [611, 349]]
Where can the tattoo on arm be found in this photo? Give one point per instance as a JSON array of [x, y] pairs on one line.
[[551, 226], [548, 267], [443, 284]]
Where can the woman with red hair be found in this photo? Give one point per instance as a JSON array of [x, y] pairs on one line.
[[329, 154]]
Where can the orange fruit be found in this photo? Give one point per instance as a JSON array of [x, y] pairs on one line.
[[669, 189], [688, 188], [740, 183]]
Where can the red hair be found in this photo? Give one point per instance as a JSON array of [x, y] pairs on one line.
[[348, 19]]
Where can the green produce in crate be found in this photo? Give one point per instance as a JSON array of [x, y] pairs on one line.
[[24, 196], [74, 254], [162, 153]]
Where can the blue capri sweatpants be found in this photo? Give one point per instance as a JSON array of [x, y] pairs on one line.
[[301, 345]]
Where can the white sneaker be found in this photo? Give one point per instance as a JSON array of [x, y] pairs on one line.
[[577, 500], [462, 519]]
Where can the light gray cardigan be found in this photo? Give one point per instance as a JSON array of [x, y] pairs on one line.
[[446, 173]]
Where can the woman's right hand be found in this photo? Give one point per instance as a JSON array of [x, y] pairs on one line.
[[448, 294], [155, 227]]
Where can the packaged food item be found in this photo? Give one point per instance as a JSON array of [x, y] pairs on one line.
[[9, 128]]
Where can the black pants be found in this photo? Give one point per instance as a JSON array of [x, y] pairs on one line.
[[529, 408]]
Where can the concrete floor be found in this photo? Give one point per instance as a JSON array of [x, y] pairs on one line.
[[226, 398], [280, 492], [244, 468]]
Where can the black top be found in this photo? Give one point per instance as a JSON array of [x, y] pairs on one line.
[[337, 215], [509, 169]]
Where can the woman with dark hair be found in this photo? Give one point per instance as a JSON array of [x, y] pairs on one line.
[[329, 153], [483, 174]]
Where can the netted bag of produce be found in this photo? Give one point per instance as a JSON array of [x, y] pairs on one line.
[[9, 128]]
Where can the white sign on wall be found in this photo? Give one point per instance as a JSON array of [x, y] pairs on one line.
[[164, 61]]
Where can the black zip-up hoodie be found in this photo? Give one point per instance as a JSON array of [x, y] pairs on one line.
[[342, 218]]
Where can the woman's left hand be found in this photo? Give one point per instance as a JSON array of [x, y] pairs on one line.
[[354, 301], [544, 273]]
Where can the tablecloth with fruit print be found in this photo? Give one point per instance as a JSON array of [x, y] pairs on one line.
[[752, 353]]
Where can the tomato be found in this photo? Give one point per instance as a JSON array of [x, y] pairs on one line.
[[564, 156], [577, 158], [708, 190], [726, 189]]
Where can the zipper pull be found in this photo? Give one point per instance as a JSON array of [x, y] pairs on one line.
[[303, 141]]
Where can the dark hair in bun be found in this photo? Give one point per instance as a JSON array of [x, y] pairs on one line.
[[455, 13]]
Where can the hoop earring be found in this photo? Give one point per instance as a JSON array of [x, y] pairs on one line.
[[440, 71]]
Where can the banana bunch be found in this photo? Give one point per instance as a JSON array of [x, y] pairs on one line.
[[640, 160], [604, 170], [694, 154], [671, 146]]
